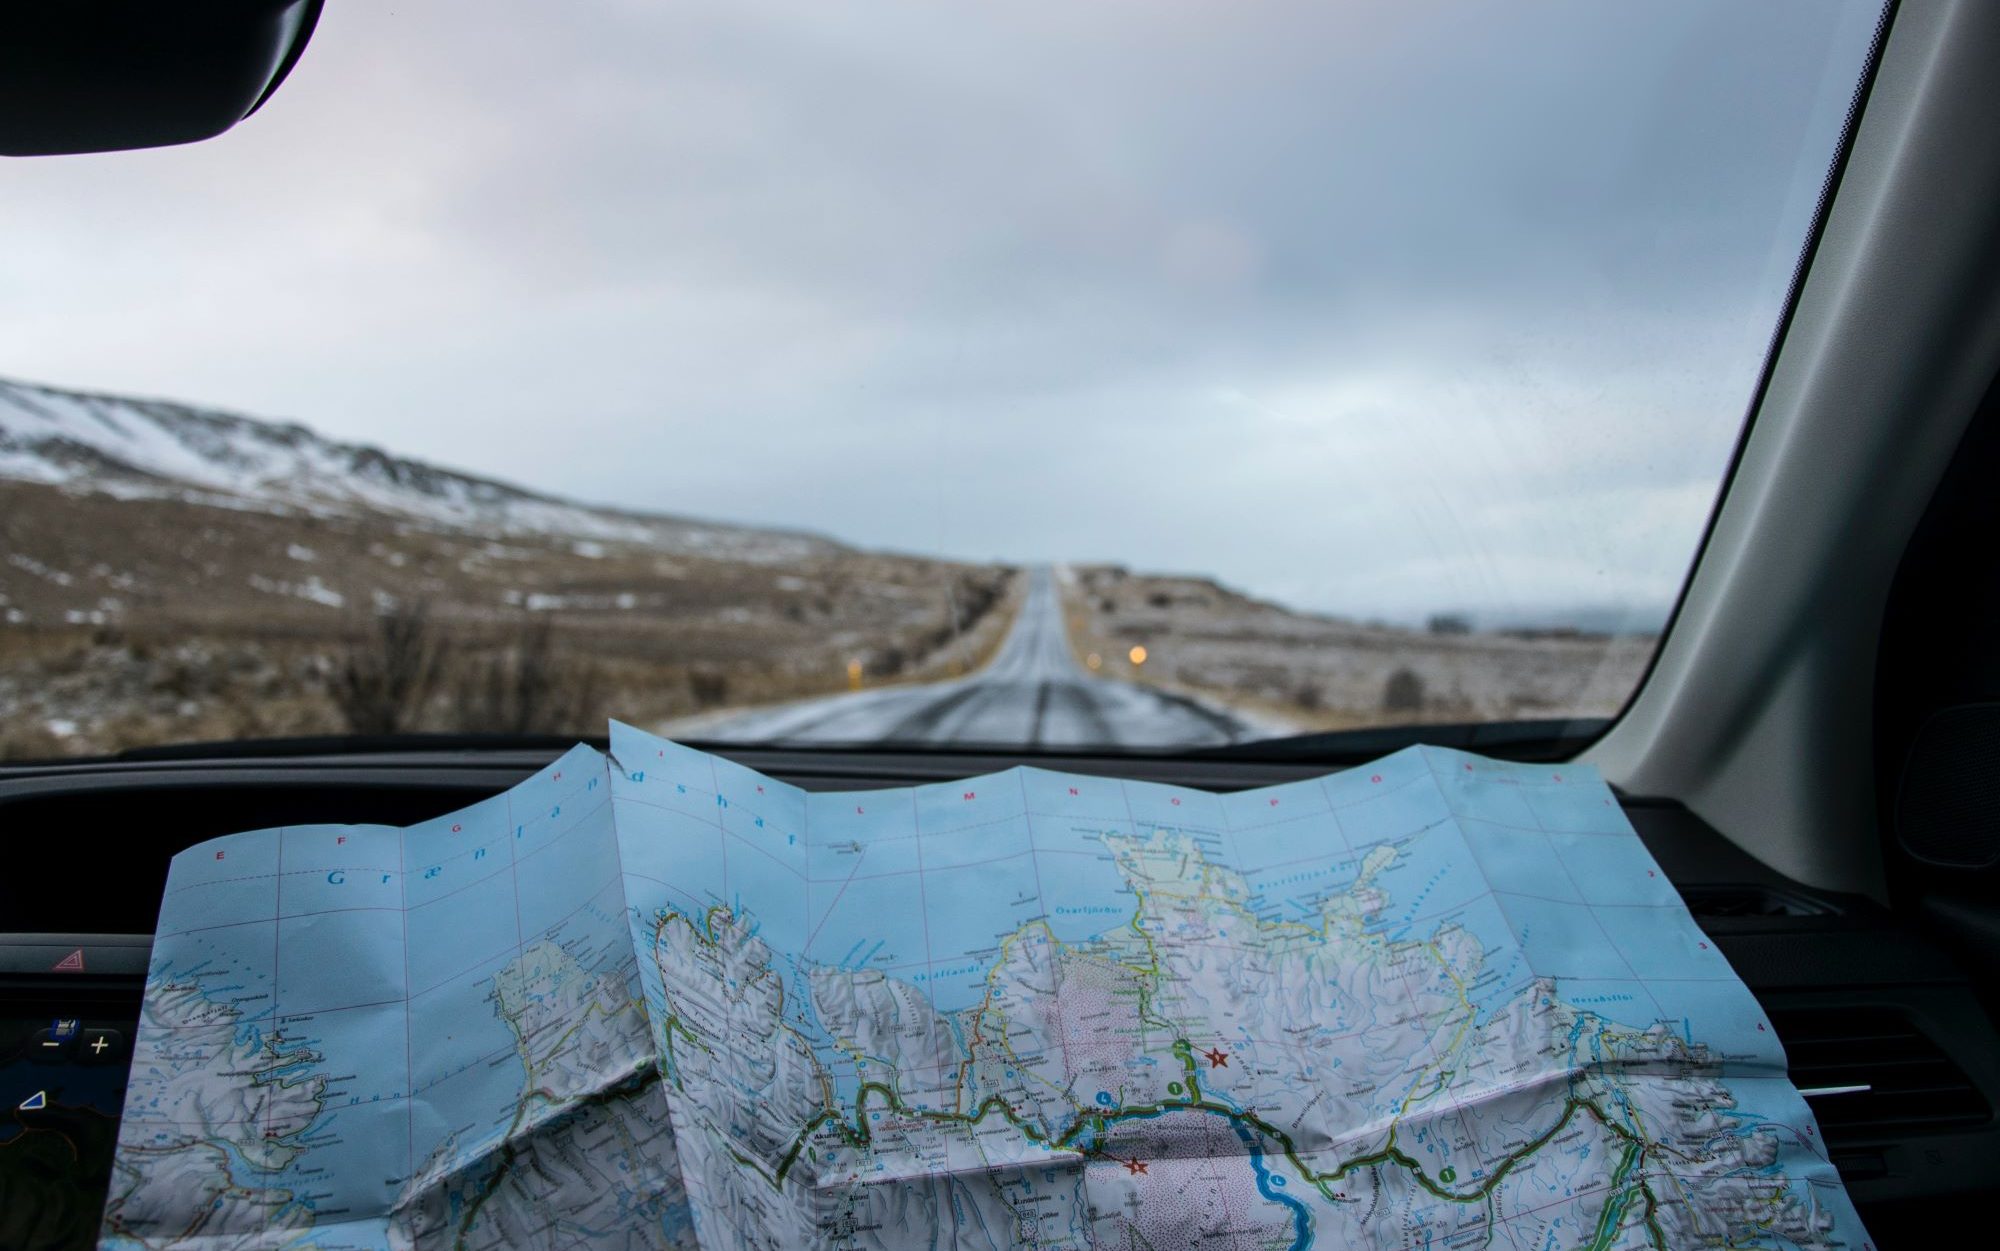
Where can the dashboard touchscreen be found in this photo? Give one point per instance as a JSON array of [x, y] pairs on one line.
[[63, 1065]]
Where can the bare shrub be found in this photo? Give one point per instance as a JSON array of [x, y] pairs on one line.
[[969, 598], [72, 659], [1403, 692], [389, 673], [708, 687], [525, 687]]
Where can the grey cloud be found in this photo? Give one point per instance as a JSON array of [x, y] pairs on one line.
[[1376, 307]]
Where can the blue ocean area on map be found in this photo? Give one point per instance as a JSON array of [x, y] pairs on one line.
[[653, 998]]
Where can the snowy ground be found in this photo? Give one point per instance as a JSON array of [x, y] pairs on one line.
[[131, 621]]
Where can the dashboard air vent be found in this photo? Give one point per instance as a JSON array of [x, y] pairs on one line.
[[1752, 901], [1870, 1073]]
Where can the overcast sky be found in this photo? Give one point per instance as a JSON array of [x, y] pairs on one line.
[[1373, 307]]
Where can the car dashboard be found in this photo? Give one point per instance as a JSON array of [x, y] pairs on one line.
[[1885, 1034]]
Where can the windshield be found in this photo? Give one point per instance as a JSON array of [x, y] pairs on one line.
[[1034, 375]]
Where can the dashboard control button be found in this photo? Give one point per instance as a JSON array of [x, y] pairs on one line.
[[101, 1046], [52, 1046]]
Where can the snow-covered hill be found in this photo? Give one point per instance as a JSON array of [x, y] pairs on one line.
[[135, 448]]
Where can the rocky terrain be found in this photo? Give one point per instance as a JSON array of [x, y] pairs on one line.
[[173, 574], [1315, 672], [170, 574]]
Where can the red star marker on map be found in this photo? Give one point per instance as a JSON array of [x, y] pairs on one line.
[[1135, 1167], [1218, 1059]]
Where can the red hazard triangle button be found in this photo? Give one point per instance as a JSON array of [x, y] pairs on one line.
[[71, 963]]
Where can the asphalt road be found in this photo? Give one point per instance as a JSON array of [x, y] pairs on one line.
[[1034, 693]]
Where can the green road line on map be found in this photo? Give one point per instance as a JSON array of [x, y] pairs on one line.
[[532, 1094], [510, 1144], [1096, 1122], [1615, 1201], [1652, 1217]]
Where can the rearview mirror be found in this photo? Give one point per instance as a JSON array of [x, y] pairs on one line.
[[101, 75]]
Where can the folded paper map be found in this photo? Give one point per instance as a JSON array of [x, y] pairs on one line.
[[655, 999]]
